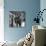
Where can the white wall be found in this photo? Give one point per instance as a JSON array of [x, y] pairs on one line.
[[1, 21], [43, 6]]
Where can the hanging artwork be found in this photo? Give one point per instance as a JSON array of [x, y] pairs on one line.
[[17, 19]]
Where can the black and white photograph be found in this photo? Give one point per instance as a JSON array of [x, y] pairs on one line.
[[17, 19]]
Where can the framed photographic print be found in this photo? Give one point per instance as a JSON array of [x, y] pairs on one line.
[[17, 19]]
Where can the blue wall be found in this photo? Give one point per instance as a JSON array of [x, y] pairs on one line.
[[30, 7]]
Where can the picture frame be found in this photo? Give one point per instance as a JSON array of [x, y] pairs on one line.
[[17, 19]]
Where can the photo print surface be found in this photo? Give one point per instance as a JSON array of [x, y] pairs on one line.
[[16, 19]]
